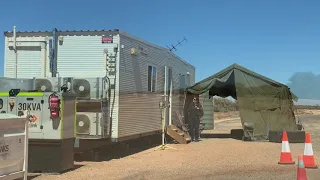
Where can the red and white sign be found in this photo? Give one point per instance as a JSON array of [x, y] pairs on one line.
[[107, 39]]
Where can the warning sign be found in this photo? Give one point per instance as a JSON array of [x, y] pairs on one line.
[[107, 39], [33, 119]]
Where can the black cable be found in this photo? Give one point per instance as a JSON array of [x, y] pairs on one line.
[[114, 91], [109, 97], [65, 86]]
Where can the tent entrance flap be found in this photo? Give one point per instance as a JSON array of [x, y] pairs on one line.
[[223, 86], [264, 103]]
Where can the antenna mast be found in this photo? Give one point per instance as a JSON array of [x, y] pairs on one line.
[[175, 47]]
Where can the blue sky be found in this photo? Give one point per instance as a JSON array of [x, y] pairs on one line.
[[273, 38]]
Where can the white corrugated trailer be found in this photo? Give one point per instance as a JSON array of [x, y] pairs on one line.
[[139, 72]]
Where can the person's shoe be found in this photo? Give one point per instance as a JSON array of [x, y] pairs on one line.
[[196, 140]]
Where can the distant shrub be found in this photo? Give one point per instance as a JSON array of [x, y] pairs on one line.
[[315, 107], [226, 105]]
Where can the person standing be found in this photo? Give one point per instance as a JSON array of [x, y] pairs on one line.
[[195, 112]]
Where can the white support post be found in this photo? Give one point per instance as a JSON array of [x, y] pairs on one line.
[[26, 150], [43, 60]]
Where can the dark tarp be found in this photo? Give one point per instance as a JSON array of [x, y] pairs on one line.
[[263, 103]]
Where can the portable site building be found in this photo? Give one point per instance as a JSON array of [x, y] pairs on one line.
[[139, 72]]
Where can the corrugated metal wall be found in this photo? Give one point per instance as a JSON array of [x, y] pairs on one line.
[[139, 109], [27, 68], [29, 61], [208, 111], [84, 56]]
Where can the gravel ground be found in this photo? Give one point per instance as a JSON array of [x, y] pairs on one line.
[[218, 159], [311, 123]]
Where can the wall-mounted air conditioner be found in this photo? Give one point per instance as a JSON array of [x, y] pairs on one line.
[[88, 124], [52, 84], [89, 88]]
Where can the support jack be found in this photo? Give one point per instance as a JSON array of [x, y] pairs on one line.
[[163, 146]]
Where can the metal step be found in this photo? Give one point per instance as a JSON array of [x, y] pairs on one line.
[[188, 139]]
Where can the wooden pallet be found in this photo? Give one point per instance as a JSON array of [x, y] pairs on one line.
[[178, 135]]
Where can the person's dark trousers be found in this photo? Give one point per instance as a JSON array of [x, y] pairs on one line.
[[195, 129]]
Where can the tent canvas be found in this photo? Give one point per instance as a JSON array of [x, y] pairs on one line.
[[263, 103]]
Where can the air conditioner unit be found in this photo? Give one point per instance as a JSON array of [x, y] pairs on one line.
[[89, 88], [48, 84], [88, 124]]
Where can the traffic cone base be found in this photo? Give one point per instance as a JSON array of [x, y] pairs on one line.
[[287, 163], [309, 162], [286, 158], [312, 167]]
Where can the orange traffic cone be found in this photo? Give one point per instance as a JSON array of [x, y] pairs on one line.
[[308, 157], [285, 156], [301, 172]]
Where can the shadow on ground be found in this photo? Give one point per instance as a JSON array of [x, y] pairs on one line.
[[32, 176], [75, 167], [120, 150], [35, 174], [234, 134]]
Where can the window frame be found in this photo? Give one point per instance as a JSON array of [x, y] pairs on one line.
[[188, 80], [182, 77], [152, 78], [1, 103]]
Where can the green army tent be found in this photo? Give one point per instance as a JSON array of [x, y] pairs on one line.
[[263, 103]]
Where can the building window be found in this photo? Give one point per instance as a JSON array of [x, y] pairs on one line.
[[152, 78], [1, 103], [188, 83], [182, 81], [170, 83]]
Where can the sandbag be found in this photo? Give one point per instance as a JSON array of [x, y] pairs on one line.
[[293, 137]]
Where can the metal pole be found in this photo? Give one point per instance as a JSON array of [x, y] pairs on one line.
[[15, 51]]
